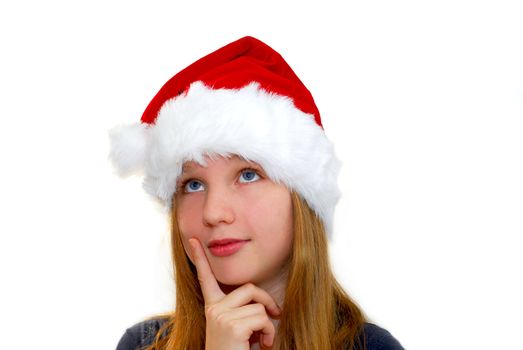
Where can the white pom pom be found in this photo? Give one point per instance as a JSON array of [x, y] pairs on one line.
[[128, 148]]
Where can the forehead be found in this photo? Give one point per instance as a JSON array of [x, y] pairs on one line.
[[231, 160]]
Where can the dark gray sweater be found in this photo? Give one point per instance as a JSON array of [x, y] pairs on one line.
[[143, 333]]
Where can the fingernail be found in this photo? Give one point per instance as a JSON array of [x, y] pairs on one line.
[[275, 311], [278, 309], [192, 243]]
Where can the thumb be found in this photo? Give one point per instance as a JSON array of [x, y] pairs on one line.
[[263, 346]]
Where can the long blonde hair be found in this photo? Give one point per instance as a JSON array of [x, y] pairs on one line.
[[317, 315]]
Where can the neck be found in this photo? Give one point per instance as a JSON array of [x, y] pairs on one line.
[[276, 288]]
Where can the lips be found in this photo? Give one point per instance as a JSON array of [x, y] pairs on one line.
[[224, 241], [226, 247]]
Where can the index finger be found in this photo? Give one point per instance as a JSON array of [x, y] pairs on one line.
[[211, 291]]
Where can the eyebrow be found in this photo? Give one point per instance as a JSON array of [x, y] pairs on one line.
[[186, 173], [188, 167]]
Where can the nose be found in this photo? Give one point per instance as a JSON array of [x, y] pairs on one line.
[[218, 207]]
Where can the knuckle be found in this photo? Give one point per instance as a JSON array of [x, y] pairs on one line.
[[267, 322], [237, 329], [212, 312], [250, 287], [265, 318], [221, 320], [260, 308]]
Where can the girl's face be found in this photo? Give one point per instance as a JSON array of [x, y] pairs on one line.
[[232, 198]]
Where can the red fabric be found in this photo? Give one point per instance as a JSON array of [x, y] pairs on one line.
[[234, 66]]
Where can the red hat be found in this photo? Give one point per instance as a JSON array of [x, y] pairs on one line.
[[242, 99]]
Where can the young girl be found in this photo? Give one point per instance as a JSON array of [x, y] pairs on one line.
[[234, 146]]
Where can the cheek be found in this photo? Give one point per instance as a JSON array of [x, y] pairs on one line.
[[275, 219], [286, 223], [187, 220], [188, 215], [187, 249]]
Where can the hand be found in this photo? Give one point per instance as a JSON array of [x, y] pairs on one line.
[[231, 319]]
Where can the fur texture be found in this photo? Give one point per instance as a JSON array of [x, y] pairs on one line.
[[249, 122]]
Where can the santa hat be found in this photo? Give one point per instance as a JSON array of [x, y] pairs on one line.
[[242, 99]]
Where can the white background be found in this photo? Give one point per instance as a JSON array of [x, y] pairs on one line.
[[423, 100]]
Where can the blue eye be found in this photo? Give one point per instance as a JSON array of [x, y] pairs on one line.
[[193, 186], [249, 175]]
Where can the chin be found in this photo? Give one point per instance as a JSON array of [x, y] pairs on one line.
[[235, 277], [233, 280]]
